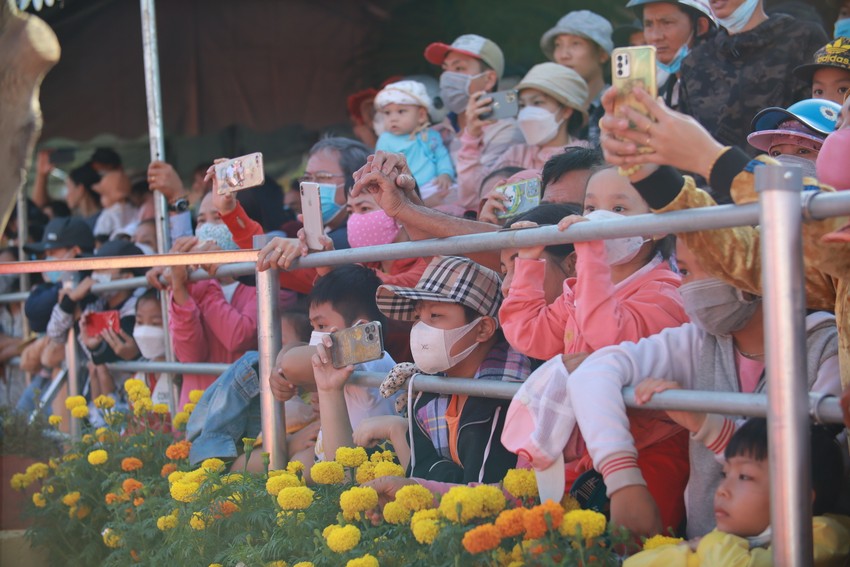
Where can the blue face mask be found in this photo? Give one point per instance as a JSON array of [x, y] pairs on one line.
[[674, 65], [842, 28], [327, 193], [739, 18], [52, 276]]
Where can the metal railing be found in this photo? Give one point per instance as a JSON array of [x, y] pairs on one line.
[[783, 207]]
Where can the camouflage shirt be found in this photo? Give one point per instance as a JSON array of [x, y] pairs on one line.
[[727, 79]]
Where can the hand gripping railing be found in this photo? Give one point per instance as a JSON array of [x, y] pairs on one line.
[[782, 299]]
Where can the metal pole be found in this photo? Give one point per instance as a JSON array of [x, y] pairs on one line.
[[72, 362], [784, 337], [268, 325], [23, 236]]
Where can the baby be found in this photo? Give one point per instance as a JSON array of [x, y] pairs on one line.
[[404, 106]]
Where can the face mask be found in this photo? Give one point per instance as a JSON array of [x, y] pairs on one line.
[[371, 229], [673, 66], [316, 337], [537, 125], [218, 233], [832, 159], [7, 282], [146, 250], [454, 90], [807, 165], [327, 194], [52, 276], [101, 278], [431, 346], [738, 19], [618, 250], [716, 307], [150, 340], [842, 28]]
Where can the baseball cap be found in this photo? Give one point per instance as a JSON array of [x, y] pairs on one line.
[[561, 83], [64, 232], [121, 247], [472, 45], [811, 119], [834, 54], [582, 23], [447, 279]]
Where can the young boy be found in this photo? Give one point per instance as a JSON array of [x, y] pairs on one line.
[[405, 106], [742, 508], [829, 73]]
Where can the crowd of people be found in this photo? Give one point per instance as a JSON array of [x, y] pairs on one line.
[[572, 324]]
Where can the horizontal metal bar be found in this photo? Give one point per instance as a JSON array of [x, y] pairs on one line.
[[205, 368]]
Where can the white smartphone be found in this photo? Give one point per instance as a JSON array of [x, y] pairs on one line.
[[311, 210]]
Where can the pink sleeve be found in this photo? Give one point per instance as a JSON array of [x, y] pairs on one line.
[[530, 326], [470, 170], [242, 227], [184, 324], [606, 319], [235, 326]]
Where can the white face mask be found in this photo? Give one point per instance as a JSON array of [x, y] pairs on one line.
[[618, 250], [738, 19], [150, 340], [316, 337], [538, 125], [808, 166], [101, 278], [431, 346]]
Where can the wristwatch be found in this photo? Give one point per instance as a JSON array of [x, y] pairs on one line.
[[179, 206]]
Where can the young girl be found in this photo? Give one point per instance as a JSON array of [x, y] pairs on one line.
[[149, 335], [742, 508], [797, 133], [625, 290]]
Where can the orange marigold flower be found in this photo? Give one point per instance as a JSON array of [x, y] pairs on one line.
[[131, 485], [536, 524], [482, 538], [224, 509], [131, 464], [138, 501], [112, 498], [179, 450], [510, 522], [135, 556], [167, 469]]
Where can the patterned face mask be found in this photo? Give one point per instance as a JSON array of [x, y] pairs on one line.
[[218, 233]]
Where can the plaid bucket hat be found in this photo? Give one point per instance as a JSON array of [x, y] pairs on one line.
[[448, 279]]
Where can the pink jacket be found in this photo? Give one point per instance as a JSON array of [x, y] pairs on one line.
[[208, 329], [592, 312]]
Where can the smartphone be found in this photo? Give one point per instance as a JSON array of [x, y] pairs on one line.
[[99, 321], [521, 196], [505, 105], [311, 210], [360, 343], [240, 173], [630, 67]]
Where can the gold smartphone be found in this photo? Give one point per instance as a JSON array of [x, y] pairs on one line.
[[360, 343], [631, 67], [240, 173]]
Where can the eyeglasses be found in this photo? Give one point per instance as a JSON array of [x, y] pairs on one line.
[[320, 177]]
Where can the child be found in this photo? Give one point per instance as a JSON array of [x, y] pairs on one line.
[[149, 335], [742, 508], [625, 290], [829, 74], [405, 106]]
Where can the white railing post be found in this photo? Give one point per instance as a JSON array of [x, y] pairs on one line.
[[784, 337], [72, 362]]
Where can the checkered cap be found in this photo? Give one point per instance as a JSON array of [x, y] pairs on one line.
[[448, 279]]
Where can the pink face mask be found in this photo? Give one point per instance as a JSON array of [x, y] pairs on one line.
[[832, 160], [371, 229]]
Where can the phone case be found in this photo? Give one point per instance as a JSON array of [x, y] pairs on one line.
[[360, 343], [240, 173], [631, 66], [311, 210], [505, 105], [98, 321], [522, 196]]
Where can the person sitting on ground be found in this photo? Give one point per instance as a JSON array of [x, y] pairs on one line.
[[829, 72], [742, 507]]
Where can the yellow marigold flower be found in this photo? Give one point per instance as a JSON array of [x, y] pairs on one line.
[[482, 538], [592, 524], [70, 457], [424, 530], [39, 500], [216, 565], [98, 457], [131, 485], [414, 497], [277, 483], [658, 541], [38, 470], [382, 456], [213, 465], [356, 500], [365, 472], [365, 561], [295, 498], [428, 514], [294, 467], [55, 420], [568, 503], [195, 396], [80, 412], [132, 384], [189, 408], [521, 483], [395, 513], [180, 419], [111, 538], [344, 538], [178, 450], [536, 522], [185, 491], [510, 522], [88, 439], [82, 511], [386, 468], [176, 476], [104, 402], [328, 529], [303, 564], [160, 409], [231, 478], [74, 401], [351, 457], [197, 521], [278, 563], [131, 464], [327, 472], [463, 499], [142, 406], [20, 481], [492, 497]]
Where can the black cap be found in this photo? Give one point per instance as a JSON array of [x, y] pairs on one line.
[[64, 232], [118, 247], [106, 156]]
